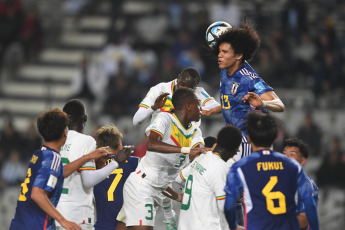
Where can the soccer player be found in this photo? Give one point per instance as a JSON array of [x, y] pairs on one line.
[[158, 99], [203, 200], [173, 139], [270, 183], [109, 193], [41, 189], [241, 88], [77, 194], [296, 149]]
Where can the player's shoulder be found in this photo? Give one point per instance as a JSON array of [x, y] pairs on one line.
[[246, 160], [133, 159], [80, 137]]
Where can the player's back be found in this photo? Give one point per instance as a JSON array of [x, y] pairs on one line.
[[46, 172], [270, 186], [204, 186], [109, 194]]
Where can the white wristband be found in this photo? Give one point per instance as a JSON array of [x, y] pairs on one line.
[[263, 103], [185, 150]]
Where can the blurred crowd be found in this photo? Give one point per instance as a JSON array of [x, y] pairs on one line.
[[301, 47]]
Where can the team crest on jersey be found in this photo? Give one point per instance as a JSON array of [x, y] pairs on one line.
[[234, 87]]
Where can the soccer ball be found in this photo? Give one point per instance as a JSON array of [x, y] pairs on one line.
[[214, 30]]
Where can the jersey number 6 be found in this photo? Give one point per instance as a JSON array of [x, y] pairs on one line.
[[270, 196]]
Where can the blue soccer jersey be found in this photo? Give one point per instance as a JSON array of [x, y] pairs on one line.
[[46, 172], [315, 192], [109, 194], [233, 88], [272, 184]]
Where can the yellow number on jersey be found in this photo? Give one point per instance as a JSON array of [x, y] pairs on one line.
[[24, 186], [115, 182], [225, 102], [270, 196]]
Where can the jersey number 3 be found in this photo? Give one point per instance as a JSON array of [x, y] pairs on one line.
[[114, 184], [270, 196]]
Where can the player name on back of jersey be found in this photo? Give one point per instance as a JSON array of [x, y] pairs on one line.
[[269, 165], [198, 167]]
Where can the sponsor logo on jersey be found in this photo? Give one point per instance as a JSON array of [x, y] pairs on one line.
[[234, 87]]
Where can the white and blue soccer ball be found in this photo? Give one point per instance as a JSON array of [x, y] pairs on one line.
[[214, 30]]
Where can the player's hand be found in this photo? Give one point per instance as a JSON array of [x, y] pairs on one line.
[[69, 225], [206, 113], [169, 192], [253, 99], [239, 227], [197, 151], [100, 152], [124, 154], [160, 101]]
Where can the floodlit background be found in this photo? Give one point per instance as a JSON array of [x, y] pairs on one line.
[[110, 52]]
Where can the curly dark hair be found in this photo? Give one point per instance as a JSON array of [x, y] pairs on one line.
[[295, 142], [244, 40]]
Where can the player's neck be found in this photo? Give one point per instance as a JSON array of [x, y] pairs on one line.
[[258, 148], [56, 145], [182, 116]]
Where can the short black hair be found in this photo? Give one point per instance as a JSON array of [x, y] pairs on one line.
[[194, 73], [181, 97], [210, 141], [295, 142], [261, 128], [243, 40], [75, 110], [51, 124], [229, 138]]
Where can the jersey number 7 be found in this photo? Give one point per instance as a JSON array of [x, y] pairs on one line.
[[114, 184]]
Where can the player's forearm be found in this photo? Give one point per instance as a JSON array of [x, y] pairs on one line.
[[41, 199], [159, 146], [92, 177], [209, 112], [74, 165], [142, 115], [275, 105]]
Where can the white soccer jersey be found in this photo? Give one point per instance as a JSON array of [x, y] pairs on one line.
[[76, 201], [205, 182], [206, 101], [160, 168]]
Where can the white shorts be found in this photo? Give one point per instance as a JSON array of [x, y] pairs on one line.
[[140, 201], [121, 216]]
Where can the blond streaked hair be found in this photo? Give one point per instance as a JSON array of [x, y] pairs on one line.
[[108, 135]]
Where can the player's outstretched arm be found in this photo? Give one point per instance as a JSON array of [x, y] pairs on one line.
[[210, 112], [41, 199], [73, 166], [92, 177], [270, 100]]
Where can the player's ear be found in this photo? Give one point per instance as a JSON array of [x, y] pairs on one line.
[[304, 160], [238, 56]]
